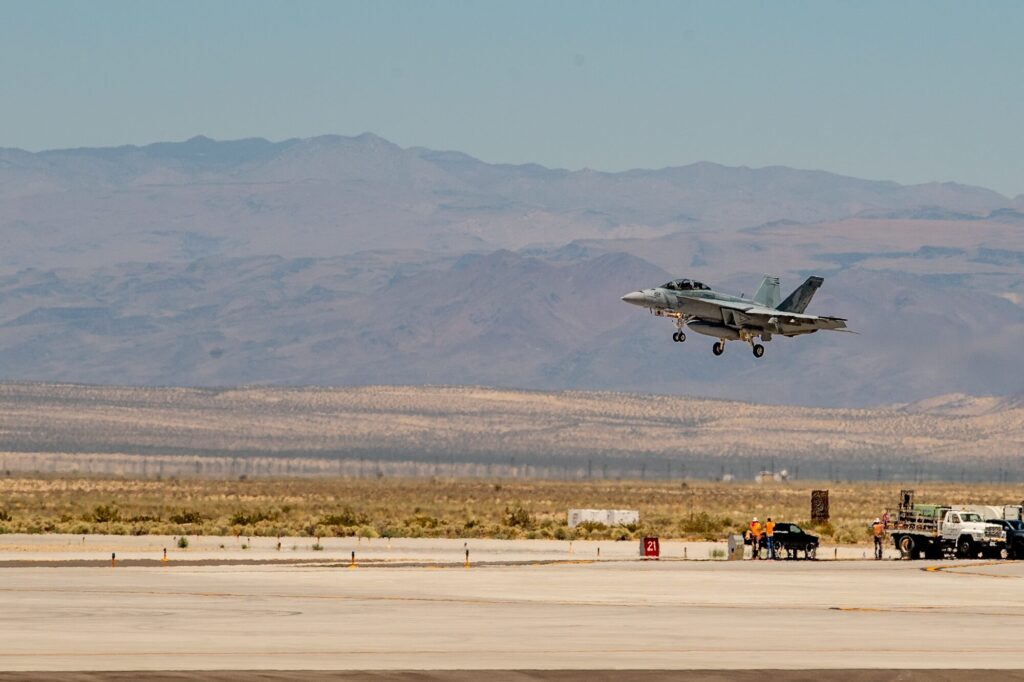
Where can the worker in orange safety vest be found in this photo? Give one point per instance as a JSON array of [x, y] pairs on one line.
[[755, 537], [769, 534], [876, 529]]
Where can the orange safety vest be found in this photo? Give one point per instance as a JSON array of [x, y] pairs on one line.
[[769, 528], [877, 527], [755, 530]]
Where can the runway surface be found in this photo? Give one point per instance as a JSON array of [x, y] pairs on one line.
[[746, 675], [575, 613]]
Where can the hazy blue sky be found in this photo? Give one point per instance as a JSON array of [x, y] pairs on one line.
[[910, 91]]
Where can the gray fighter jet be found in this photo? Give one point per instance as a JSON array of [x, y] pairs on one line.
[[734, 318]]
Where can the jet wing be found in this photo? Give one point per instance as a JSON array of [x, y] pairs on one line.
[[778, 321]]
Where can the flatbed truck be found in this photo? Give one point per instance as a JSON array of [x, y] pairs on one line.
[[936, 531]]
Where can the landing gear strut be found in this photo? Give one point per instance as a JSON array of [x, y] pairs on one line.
[[718, 348], [679, 336]]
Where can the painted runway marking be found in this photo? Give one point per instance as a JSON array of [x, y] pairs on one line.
[[957, 569]]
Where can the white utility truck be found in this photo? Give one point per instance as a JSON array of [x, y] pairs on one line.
[[934, 531]]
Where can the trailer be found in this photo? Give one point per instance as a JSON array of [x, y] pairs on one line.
[[989, 512], [935, 531]]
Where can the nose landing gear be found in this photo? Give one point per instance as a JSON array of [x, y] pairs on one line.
[[758, 350], [718, 348], [679, 335]]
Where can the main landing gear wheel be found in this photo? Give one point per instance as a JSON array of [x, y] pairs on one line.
[[718, 348], [679, 337], [758, 350]]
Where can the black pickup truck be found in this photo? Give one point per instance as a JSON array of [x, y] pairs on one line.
[[1014, 537], [789, 539]]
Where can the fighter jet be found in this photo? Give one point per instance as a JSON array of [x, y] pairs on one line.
[[735, 318]]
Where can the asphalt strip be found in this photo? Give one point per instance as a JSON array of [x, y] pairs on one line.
[[751, 675]]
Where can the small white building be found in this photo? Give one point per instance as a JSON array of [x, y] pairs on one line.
[[609, 517], [772, 476]]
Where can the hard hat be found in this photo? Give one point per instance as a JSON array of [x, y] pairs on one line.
[[755, 518], [877, 520]]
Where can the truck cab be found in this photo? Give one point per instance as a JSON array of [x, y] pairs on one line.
[[970, 534], [1009, 517]]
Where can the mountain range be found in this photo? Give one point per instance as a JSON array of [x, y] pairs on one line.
[[350, 260]]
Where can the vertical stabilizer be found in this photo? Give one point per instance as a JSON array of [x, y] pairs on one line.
[[797, 301], [768, 294]]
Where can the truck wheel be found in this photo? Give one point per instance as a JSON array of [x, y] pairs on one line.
[[905, 544], [810, 551], [965, 548]]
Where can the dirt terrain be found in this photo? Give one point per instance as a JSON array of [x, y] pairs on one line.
[[472, 431]]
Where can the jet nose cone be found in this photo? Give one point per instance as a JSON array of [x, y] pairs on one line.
[[636, 298]]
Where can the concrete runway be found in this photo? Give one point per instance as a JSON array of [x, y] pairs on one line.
[[575, 614], [590, 675]]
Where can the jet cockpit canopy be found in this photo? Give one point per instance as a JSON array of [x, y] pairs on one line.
[[685, 285]]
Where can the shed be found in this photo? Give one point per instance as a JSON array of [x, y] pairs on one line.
[[609, 517]]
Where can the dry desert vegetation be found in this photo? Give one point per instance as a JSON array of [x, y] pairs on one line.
[[427, 507]]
